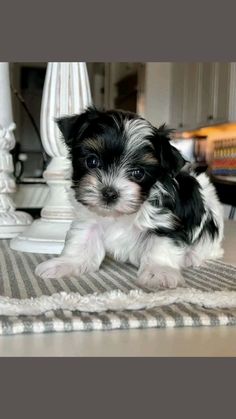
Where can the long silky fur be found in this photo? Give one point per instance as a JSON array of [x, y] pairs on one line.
[[167, 220]]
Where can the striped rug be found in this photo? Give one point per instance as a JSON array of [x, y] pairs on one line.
[[18, 281]]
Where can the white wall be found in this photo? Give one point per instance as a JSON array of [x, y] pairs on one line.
[[157, 93]]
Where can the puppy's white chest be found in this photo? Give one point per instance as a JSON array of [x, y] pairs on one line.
[[120, 238]]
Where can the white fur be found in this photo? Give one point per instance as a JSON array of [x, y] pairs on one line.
[[137, 131], [125, 237], [150, 217]]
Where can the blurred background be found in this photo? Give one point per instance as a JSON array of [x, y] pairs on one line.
[[198, 100]]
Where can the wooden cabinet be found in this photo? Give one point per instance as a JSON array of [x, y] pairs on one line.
[[177, 95], [202, 94], [215, 88], [207, 81], [184, 95], [191, 95], [222, 92]]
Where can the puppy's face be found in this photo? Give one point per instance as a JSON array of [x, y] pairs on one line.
[[116, 158]]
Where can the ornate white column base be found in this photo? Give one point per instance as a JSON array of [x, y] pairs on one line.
[[13, 223], [43, 236], [47, 234]]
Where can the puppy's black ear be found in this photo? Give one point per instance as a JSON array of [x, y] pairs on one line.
[[72, 127], [169, 157], [68, 126]]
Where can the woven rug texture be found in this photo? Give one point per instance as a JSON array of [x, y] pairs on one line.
[[17, 280]]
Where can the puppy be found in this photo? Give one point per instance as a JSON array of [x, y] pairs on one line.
[[134, 200]]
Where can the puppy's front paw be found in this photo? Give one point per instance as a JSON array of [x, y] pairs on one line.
[[57, 268], [157, 276], [192, 259]]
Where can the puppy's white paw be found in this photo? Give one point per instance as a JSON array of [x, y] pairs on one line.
[[157, 276], [192, 259], [57, 268]]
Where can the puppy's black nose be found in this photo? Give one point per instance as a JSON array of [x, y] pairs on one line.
[[109, 194]]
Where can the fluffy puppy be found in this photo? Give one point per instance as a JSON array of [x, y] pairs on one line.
[[134, 200]]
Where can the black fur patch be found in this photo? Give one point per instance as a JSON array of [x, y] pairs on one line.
[[186, 203]]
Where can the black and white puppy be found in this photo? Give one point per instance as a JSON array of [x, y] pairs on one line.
[[133, 201]]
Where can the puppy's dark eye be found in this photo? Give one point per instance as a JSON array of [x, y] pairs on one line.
[[138, 174], [92, 162]]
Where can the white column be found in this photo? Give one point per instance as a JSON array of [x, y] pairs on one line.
[[11, 222], [66, 92]]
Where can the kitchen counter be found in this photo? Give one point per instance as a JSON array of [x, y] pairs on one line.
[[186, 341]]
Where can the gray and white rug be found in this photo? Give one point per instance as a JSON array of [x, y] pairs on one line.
[[18, 284]]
